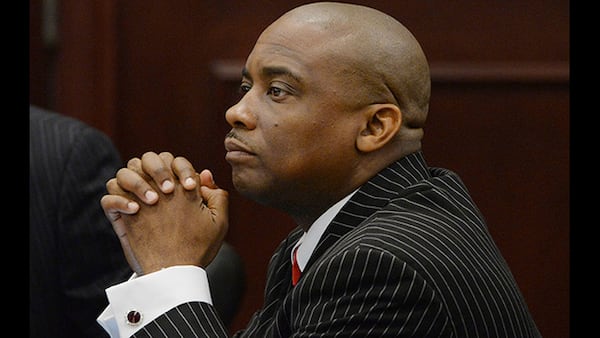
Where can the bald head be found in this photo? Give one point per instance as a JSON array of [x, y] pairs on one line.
[[332, 94], [369, 49]]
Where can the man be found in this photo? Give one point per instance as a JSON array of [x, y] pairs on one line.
[[329, 130], [73, 252]]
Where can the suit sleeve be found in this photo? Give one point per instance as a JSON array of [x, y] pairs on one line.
[[193, 319]]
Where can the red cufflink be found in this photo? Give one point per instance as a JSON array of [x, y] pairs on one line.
[[133, 317]]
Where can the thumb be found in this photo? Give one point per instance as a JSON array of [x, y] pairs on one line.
[[217, 200], [206, 179]]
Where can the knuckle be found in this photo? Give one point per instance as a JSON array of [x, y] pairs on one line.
[[134, 162], [121, 172], [111, 185], [140, 185], [166, 154], [148, 154], [160, 172]]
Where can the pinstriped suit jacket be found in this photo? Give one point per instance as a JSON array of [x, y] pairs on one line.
[[408, 256], [74, 254]]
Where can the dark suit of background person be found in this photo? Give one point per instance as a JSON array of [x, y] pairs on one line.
[[74, 253]]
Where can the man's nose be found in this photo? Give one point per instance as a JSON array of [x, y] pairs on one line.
[[240, 115]]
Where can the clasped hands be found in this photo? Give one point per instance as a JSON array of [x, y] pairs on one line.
[[165, 213]]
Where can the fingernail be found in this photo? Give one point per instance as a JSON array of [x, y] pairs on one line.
[[132, 206], [151, 195], [167, 185], [189, 182]]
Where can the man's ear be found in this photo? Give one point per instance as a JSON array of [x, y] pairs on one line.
[[383, 121]]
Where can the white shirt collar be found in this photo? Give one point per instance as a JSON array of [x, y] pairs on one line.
[[309, 240]]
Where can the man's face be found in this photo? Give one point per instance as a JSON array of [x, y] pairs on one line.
[[293, 131]]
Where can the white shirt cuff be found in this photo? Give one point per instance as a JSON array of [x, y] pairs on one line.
[[152, 295]]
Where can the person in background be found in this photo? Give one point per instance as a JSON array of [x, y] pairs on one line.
[[73, 252], [329, 130]]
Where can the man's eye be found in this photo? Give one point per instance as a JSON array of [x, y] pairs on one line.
[[244, 88], [276, 92]]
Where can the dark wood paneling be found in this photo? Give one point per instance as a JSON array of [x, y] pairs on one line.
[[86, 82], [41, 61], [510, 144]]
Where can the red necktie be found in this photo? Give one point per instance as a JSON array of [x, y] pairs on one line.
[[295, 269]]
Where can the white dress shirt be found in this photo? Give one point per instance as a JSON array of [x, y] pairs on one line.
[[154, 294], [308, 242]]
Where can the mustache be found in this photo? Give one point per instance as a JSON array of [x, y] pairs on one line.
[[232, 134]]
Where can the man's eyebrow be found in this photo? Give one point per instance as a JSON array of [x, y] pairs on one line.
[[272, 72], [280, 71], [246, 73]]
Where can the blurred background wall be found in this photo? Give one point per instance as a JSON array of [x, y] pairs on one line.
[[159, 75]]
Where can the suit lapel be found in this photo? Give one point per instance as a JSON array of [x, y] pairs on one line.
[[371, 197]]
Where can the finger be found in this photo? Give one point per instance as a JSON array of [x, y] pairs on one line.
[[185, 171], [155, 166], [135, 164], [115, 205], [207, 179], [128, 180], [166, 157], [113, 208], [123, 197]]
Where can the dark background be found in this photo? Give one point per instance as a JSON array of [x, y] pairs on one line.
[[159, 75]]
